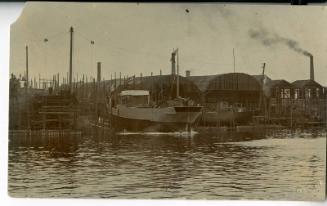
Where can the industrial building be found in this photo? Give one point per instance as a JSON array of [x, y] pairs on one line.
[[279, 95], [309, 99], [231, 89]]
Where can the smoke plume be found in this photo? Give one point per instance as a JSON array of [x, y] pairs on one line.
[[269, 39]]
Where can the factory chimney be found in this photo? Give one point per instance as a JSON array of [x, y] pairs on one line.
[[173, 63], [312, 71]]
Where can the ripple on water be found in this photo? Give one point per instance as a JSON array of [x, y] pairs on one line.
[[284, 165]]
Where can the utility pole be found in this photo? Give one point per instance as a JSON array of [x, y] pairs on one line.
[[71, 30]]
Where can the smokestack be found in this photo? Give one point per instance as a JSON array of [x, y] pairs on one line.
[[312, 70], [187, 73], [99, 72], [173, 63]]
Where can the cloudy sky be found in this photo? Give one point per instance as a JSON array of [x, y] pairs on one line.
[[134, 38]]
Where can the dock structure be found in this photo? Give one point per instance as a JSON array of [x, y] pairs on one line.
[[290, 104], [230, 98], [53, 112], [218, 94]]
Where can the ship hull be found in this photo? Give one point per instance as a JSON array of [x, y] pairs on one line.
[[154, 119]]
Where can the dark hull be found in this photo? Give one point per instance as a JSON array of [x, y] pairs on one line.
[[134, 125]]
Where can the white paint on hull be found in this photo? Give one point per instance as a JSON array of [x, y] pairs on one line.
[[157, 115]]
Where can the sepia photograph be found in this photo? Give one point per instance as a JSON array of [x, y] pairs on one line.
[[195, 101]]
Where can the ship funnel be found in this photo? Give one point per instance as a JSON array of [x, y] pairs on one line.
[[312, 71], [187, 73]]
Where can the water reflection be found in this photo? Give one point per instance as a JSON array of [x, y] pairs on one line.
[[226, 165]]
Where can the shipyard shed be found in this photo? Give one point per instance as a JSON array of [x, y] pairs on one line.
[[231, 89], [162, 87]]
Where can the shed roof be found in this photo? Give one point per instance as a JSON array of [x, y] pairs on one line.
[[164, 85], [306, 83], [279, 83], [228, 81]]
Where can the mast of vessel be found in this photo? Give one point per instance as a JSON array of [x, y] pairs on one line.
[[262, 89], [71, 31], [177, 80]]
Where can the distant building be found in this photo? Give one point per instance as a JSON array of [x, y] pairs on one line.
[[309, 99], [280, 95], [307, 89]]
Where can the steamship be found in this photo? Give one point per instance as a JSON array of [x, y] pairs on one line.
[[134, 112]]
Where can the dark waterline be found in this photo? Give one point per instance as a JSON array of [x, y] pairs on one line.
[[230, 165]]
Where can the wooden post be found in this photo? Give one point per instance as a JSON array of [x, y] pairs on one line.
[[110, 81], [151, 95], [115, 81]]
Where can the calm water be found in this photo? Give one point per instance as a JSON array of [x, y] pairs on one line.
[[274, 165]]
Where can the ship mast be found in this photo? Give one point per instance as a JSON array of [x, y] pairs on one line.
[[71, 30], [262, 88]]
